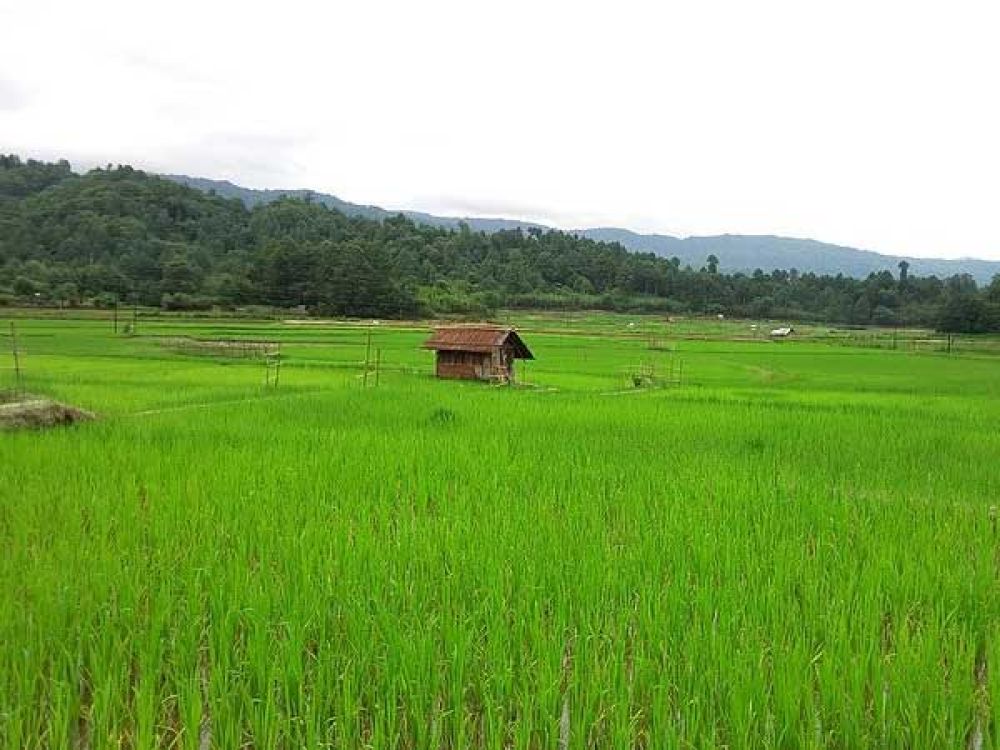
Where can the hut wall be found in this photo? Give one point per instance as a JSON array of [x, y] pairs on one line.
[[503, 362], [464, 365]]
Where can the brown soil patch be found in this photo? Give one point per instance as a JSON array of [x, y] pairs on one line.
[[38, 413]]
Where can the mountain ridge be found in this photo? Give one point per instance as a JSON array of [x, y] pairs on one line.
[[736, 252]]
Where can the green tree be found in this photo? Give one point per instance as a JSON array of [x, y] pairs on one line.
[[993, 291]]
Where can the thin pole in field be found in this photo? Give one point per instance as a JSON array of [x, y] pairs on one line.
[[271, 354], [17, 359], [378, 363], [114, 316], [564, 725], [368, 355]]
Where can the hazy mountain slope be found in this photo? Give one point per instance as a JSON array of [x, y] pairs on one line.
[[252, 197], [735, 252], [749, 252]]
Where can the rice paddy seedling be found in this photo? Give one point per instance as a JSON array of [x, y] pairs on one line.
[[796, 548]]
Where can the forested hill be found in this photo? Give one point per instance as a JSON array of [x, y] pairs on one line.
[[252, 197], [118, 233], [740, 252], [736, 252]]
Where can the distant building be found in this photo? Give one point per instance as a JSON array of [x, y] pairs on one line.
[[782, 333], [477, 352]]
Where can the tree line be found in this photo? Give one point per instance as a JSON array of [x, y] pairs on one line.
[[119, 234]]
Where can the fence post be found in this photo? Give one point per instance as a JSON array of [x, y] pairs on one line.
[[368, 356], [17, 360]]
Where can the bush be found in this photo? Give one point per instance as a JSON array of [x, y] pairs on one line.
[[181, 301]]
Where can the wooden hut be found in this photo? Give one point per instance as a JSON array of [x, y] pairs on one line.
[[477, 352]]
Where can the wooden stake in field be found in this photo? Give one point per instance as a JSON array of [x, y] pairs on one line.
[[368, 355], [272, 363], [114, 316], [18, 387], [378, 362]]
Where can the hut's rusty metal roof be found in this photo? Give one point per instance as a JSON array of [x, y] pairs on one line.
[[482, 339]]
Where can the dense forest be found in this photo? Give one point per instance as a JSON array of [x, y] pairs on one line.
[[736, 252], [118, 234]]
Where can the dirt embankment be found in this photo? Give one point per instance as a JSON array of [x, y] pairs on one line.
[[30, 412]]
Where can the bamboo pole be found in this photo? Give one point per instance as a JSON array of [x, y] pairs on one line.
[[368, 355], [17, 359]]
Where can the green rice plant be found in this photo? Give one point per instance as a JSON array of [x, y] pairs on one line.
[[796, 548]]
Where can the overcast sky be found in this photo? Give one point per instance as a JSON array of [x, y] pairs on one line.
[[864, 122]]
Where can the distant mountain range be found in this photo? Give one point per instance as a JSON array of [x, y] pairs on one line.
[[736, 252]]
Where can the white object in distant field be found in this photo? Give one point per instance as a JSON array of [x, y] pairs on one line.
[[721, 316], [783, 332]]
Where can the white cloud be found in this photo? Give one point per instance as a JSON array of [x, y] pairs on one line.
[[866, 123], [12, 96]]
